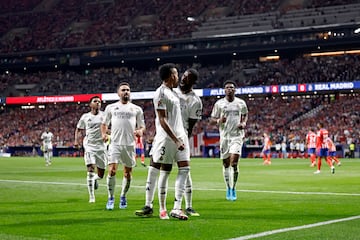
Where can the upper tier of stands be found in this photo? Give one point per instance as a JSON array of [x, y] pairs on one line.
[[274, 20], [37, 25]]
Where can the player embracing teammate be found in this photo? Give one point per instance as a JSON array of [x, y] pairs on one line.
[[322, 148]]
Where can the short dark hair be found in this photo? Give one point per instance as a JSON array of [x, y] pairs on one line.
[[165, 70], [194, 75], [122, 84], [229, 82], [92, 98]]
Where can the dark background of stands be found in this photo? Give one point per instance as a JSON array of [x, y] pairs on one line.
[[31, 48]]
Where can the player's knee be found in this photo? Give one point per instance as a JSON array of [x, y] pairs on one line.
[[155, 165], [184, 170], [127, 175], [226, 164], [166, 167], [112, 171], [90, 168], [101, 172], [234, 164]]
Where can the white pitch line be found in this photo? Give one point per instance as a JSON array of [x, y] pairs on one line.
[[302, 193], [196, 189], [264, 234], [283, 192], [39, 182]]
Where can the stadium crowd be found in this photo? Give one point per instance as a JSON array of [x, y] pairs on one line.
[[248, 72], [44, 25], [266, 114]]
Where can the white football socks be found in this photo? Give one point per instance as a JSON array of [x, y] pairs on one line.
[[183, 173], [111, 181], [188, 192], [162, 188], [90, 179], [150, 186]]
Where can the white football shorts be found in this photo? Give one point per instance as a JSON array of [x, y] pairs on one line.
[[98, 158], [124, 155], [230, 146], [165, 151]]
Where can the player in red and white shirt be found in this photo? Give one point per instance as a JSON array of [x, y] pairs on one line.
[[332, 152], [321, 147], [266, 150], [310, 142], [139, 147]]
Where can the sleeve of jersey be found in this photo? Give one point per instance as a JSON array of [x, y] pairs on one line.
[[244, 109], [81, 124], [215, 112], [160, 102], [318, 141], [196, 110], [140, 122], [107, 117]]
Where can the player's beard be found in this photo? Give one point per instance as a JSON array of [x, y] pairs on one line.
[[185, 87], [126, 98]]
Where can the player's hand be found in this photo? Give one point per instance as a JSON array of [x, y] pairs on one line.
[[180, 145], [242, 125], [105, 137], [221, 120], [138, 133], [76, 145]]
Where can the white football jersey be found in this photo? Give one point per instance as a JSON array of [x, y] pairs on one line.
[[191, 107], [233, 112], [166, 99], [47, 137], [93, 141], [124, 119]]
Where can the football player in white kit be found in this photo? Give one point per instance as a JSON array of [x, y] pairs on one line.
[[191, 111], [230, 114], [95, 155], [47, 146], [170, 145], [127, 122]]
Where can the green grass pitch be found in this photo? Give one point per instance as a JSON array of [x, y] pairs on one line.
[[282, 201]]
